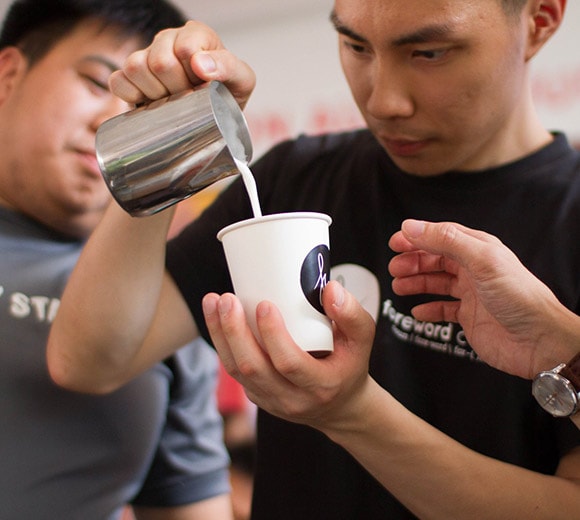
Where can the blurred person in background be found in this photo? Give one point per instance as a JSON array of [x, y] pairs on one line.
[[156, 442]]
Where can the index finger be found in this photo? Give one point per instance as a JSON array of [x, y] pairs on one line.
[[448, 239]]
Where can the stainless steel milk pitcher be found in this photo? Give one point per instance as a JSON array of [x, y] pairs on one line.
[[164, 152]]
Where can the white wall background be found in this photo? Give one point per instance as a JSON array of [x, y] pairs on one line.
[[292, 47]]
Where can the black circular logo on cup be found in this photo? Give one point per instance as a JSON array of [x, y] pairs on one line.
[[315, 274]]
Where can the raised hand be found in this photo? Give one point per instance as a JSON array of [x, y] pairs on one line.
[[511, 319], [179, 59]]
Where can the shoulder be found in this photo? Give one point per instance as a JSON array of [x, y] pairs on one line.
[[317, 155], [311, 147], [559, 156]]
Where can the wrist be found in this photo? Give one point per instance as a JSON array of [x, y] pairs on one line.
[[356, 415], [558, 390], [556, 382], [561, 340]]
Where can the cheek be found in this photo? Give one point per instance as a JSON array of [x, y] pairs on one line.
[[357, 78], [496, 85], [56, 113], [468, 99], [40, 127]]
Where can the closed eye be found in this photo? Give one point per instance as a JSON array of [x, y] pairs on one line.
[[97, 85]]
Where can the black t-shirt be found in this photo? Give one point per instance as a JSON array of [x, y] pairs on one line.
[[532, 205]]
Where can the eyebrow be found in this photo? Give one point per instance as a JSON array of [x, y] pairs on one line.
[[428, 33], [102, 60], [343, 29]]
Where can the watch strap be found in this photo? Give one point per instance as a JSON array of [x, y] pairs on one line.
[[572, 371]]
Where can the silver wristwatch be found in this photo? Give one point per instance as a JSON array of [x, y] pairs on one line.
[[558, 390]]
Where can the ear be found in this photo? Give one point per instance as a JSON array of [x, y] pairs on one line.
[[12, 66], [544, 18]]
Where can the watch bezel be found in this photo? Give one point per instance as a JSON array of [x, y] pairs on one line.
[[564, 389]]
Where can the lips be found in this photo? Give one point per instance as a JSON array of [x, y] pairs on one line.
[[404, 147], [89, 162]]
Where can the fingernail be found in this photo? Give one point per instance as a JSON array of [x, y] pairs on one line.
[[413, 228], [263, 309], [339, 296], [224, 305], [206, 62], [209, 306]]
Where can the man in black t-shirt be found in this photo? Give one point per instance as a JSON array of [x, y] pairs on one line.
[[452, 135]]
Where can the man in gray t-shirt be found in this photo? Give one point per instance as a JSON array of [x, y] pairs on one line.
[[156, 443]]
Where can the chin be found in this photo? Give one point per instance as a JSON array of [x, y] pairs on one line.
[[83, 219]]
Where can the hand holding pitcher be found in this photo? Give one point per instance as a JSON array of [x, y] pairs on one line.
[[179, 59]]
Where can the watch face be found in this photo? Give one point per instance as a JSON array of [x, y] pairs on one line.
[[555, 394]]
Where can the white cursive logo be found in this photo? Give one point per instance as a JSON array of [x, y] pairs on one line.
[[322, 277]]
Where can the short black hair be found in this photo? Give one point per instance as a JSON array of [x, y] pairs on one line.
[[36, 25]]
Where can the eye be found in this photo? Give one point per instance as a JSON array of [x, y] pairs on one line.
[[97, 83], [94, 73], [356, 47], [430, 54]]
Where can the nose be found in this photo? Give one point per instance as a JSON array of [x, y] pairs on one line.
[[391, 94], [111, 107]]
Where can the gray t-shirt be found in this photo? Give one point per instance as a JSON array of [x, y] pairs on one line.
[[155, 442]]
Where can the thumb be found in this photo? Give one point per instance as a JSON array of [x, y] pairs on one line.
[[448, 239], [350, 318], [221, 65]]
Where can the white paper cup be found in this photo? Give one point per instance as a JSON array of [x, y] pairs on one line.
[[283, 258]]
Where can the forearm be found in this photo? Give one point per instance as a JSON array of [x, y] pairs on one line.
[[438, 478], [110, 300]]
